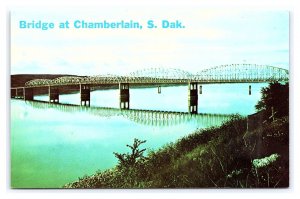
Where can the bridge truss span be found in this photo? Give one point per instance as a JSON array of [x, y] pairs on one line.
[[161, 73], [38, 83], [232, 73], [68, 80], [242, 73]]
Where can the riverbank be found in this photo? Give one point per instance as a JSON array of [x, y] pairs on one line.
[[226, 156]]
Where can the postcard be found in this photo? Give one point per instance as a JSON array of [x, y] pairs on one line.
[[149, 97]]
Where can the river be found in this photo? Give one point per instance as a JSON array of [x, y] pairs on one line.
[[52, 145]]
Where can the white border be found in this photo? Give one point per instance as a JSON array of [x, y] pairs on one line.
[[6, 192]]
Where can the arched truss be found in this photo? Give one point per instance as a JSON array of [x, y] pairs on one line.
[[242, 73], [68, 80], [224, 73], [161, 73], [38, 82], [106, 79]]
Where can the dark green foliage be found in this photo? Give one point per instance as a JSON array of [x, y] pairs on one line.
[[129, 160], [131, 166], [274, 96], [215, 157]]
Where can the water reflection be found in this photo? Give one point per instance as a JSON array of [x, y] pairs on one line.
[[53, 144], [144, 117]]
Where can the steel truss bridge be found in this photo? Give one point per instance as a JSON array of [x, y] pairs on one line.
[[233, 73]]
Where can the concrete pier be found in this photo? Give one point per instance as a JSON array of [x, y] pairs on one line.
[[85, 96], [53, 94], [200, 89], [124, 95], [249, 89], [193, 97], [159, 89]]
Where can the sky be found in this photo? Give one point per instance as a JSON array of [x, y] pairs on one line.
[[211, 37]]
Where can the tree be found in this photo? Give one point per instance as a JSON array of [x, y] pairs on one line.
[[275, 100], [129, 160]]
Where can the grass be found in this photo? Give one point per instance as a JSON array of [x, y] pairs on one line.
[[226, 156]]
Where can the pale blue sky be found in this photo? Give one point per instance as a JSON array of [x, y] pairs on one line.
[[211, 37]]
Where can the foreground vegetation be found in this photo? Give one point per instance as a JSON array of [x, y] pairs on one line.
[[233, 155]]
